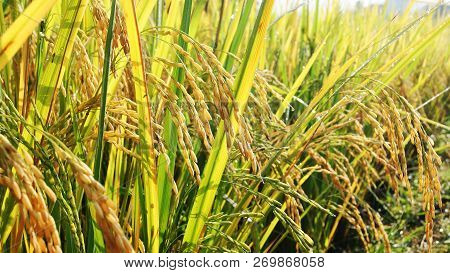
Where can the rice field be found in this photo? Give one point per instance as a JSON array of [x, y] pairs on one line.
[[223, 126]]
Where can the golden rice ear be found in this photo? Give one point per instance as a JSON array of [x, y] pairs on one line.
[[25, 181], [105, 210]]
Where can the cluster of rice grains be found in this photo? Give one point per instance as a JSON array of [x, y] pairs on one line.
[[384, 146], [395, 126], [120, 39], [427, 174], [105, 210], [26, 184], [206, 84], [85, 73]]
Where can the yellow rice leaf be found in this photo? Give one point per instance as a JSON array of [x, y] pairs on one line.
[[10, 42], [145, 125], [299, 80]]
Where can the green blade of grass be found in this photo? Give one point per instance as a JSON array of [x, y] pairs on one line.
[[101, 122], [299, 81], [170, 137], [218, 158], [232, 46], [105, 78]]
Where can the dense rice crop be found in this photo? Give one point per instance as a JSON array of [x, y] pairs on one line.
[[222, 126]]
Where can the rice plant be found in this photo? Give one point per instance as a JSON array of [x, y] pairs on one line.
[[223, 126]]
